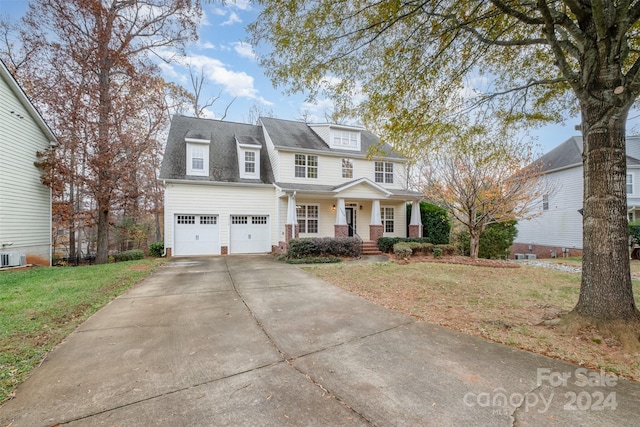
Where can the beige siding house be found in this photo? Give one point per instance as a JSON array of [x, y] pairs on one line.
[[238, 188], [25, 203]]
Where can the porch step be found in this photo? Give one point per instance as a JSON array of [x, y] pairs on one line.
[[370, 248]]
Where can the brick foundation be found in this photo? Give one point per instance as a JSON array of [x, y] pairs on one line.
[[224, 250], [542, 251], [168, 252], [414, 231], [375, 232], [292, 231], [341, 230]]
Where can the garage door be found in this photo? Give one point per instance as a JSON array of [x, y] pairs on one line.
[[197, 235], [250, 234]]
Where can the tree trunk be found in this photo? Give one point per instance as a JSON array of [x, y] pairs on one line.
[[605, 292], [102, 253], [474, 243]]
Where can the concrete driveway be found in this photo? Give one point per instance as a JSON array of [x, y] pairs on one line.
[[245, 340]]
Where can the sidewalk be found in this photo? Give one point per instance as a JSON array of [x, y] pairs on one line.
[[245, 340]]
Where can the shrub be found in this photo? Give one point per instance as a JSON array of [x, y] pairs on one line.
[[437, 252], [385, 244], [634, 232], [402, 250], [324, 246], [131, 255], [314, 260], [435, 223], [496, 239], [156, 249], [446, 250]]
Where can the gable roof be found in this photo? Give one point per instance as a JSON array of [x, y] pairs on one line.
[[223, 156], [26, 102], [288, 134], [569, 154]]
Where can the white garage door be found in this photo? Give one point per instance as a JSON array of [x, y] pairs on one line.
[[197, 235], [250, 234]]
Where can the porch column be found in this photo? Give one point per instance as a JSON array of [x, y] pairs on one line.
[[291, 226], [376, 230], [341, 227], [415, 226]]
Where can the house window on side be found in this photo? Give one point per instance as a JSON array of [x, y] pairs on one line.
[[306, 166], [629, 183], [384, 172], [307, 218], [545, 202], [249, 162], [387, 217], [347, 168]]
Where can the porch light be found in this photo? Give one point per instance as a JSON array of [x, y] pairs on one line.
[[333, 208]]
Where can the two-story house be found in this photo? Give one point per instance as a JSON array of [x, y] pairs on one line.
[[25, 203], [556, 228], [233, 188]]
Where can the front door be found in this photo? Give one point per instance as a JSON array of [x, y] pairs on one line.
[[350, 222]]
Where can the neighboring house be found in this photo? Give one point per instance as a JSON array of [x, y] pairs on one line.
[[25, 203], [239, 188], [556, 230]]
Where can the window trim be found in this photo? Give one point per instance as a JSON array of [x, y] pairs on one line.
[[351, 136], [627, 184], [205, 159], [306, 218], [305, 167], [386, 221], [386, 176], [350, 168]]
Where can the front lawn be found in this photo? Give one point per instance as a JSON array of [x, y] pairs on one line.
[[40, 306], [514, 306]]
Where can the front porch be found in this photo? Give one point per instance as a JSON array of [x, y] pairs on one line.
[[364, 216]]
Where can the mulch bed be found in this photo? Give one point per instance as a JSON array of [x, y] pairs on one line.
[[496, 263]]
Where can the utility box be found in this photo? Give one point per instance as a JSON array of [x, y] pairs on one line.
[[12, 259]]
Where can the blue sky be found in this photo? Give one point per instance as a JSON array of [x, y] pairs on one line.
[[231, 71]]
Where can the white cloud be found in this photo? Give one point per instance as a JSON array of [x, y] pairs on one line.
[[233, 19], [168, 70], [241, 4], [205, 45], [245, 50]]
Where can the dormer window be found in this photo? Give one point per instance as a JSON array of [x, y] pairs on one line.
[[197, 157], [248, 157], [345, 139]]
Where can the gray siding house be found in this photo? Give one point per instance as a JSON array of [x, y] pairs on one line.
[[25, 203], [556, 230], [235, 188]]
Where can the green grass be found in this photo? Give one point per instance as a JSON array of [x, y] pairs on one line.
[[40, 306]]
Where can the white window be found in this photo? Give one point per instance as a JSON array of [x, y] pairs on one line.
[[347, 168], [306, 166], [249, 162], [239, 219], [186, 219], [384, 172], [387, 215], [208, 220], [629, 183], [545, 202], [258, 220], [198, 159], [307, 218], [345, 139]]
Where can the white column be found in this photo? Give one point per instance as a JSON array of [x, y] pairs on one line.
[[292, 217], [415, 213], [341, 214], [375, 213]]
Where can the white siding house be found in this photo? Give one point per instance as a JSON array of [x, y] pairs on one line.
[[261, 185], [25, 203], [556, 228]]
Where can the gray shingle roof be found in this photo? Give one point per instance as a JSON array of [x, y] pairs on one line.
[[291, 134], [569, 153], [223, 157]]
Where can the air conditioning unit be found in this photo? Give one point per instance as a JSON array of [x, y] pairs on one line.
[[519, 256], [531, 256], [12, 259]]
